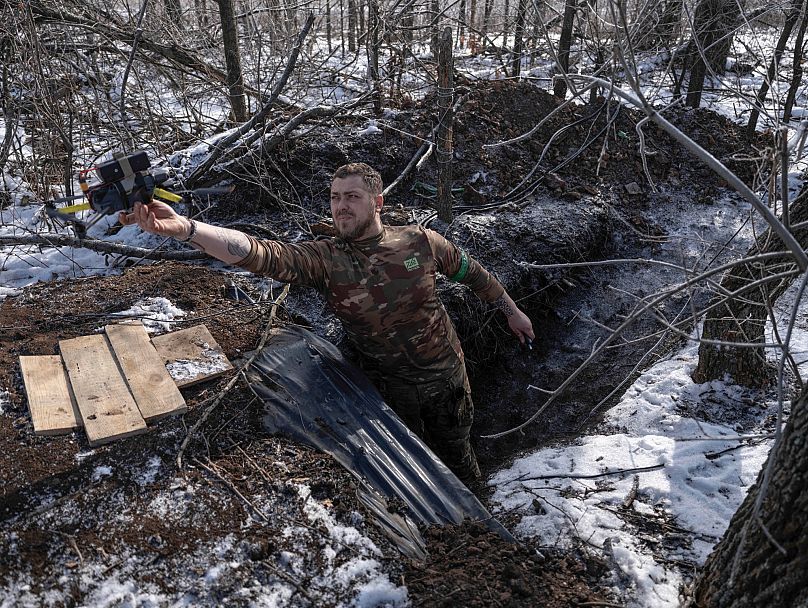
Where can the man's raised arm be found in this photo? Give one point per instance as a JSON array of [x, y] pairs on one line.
[[229, 246]]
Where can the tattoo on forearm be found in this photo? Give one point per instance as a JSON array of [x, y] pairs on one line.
[[237, 247], [503, 305]]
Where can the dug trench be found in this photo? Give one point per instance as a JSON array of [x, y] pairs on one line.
[[68, 511]]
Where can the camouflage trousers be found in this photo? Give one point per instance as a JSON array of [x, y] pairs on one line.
[[440, 412]]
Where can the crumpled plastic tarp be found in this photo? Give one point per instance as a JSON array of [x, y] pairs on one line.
[[316, 396]]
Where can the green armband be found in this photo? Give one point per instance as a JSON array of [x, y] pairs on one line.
[[464, 268]]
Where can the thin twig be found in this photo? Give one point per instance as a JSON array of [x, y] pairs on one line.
[[234, 379]]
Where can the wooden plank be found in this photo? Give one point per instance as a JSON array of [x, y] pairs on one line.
[[107, 408], [50, 400], [153, 388], [191, 355]]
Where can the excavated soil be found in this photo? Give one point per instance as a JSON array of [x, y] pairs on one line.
[[58, 511]]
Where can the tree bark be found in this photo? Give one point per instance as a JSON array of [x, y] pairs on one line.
[[564, 45], [352, 26], [765, 576], [713, 30], [743, 318], [444, 150], [232, 58], [519, 35]]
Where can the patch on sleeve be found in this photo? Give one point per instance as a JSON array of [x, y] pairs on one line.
[[411, 263], [464, 268]]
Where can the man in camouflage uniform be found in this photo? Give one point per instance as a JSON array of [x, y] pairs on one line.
[[380, 282]]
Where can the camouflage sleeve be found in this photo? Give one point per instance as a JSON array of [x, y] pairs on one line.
[[299, 263], [459, 267]]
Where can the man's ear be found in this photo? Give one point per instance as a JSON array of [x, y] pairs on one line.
[[379, 201]]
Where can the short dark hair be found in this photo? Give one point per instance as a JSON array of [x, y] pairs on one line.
[[369, 175]]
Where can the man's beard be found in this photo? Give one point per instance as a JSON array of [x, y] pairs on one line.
[[359, 229]]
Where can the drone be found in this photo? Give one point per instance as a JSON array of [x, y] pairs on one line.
[[126, 179]]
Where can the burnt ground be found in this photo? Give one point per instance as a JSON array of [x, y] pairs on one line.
[[72, 514]]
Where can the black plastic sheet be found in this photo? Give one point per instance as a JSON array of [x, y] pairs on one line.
[[313, 394]]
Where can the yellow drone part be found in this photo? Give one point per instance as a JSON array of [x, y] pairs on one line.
[[75, 208], [167, 196]]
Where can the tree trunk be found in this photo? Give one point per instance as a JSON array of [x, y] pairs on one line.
[[564, 44], [713, 30], [519, 35], [473, 26], [461, 25], [372, 45], [791, 20], [352, 26], [232, 58], [765, 576], [489, 4], [743, 318], [658, 24], [328, 30], [434, 27], [796, 77], [444, 152]]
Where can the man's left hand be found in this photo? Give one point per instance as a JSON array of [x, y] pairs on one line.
[[521, 326]]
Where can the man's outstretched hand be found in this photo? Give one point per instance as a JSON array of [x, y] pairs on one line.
[[157, 218]]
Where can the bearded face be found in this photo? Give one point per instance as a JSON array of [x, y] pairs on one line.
[[353, 208]]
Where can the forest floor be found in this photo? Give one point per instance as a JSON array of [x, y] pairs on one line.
[[253, 515]]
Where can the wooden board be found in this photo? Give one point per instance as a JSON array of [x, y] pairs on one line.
[[153, 388], [50, 400], [191, 355], [107, 408]]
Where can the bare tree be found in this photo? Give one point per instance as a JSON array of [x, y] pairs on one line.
[[714, 25], [564, 45], [796, 9], [739, 310]]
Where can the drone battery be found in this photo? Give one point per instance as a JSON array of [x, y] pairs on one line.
[[112, 170]]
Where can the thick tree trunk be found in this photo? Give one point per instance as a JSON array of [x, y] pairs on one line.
[[765, 576], [743, 318], [232, 58], [713, 30], [564, 44]]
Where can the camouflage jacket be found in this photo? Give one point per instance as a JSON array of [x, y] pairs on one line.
[[383, 291]]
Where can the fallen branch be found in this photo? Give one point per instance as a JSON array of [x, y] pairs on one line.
[[63, 240], [218, 399]]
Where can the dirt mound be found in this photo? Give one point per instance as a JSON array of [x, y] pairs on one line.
[[461, 558]]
